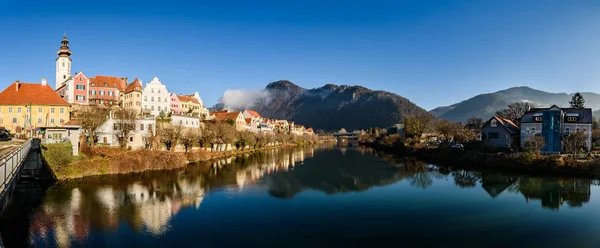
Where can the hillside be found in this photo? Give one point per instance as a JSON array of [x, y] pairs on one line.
[[332, 107], [485, 105]]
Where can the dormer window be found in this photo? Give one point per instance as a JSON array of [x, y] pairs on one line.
[[571, 118], [494, 123], [538, 118]]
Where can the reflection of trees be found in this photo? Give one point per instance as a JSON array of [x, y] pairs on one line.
[[422, 180], [147, 201], [553, 192], [465, 179]]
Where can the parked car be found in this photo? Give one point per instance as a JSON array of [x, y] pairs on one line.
[[4, 136], [458, 146]]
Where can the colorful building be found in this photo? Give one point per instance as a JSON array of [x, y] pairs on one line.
[[132, 96], [25, 107], [106, 89]]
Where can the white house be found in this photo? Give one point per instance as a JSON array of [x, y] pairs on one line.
[[203, 110], [185, 121], [108, 134], [156, 98]]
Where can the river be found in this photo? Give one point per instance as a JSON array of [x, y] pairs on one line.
[[306, 197]]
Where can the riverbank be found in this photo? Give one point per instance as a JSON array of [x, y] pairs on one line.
[[101, 161], [526, 163]]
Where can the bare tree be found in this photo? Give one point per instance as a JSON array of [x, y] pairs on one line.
[[170, 136], [91, 118], [474, 123], [188, 138], [415, 125], [125, 122], [447, 129], [534, 144], [515, 111], [575, 142]]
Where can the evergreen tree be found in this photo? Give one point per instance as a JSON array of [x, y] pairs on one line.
[[577, 101]]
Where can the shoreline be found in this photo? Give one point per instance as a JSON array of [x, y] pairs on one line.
[[525, 163], [115, 161]]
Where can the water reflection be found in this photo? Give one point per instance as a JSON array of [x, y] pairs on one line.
[[71, 212]]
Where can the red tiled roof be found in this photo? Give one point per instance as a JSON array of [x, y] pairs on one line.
[[225, 116], [134, 86], [310, 130], [253, 113], [248, 121], [25, 93], [113, 82], [72, 122], [183, 98]]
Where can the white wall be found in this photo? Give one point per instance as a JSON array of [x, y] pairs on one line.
[[150, 97], [185, 121]]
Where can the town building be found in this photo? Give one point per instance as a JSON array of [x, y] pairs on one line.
[[63, 63], [189, 105], [132, 96], [236, 117], [500, 132], [202, 110], [25, 107], [554, 123], [157, 99], [185, 121], [109, 135], [106, 89], [75, 89]]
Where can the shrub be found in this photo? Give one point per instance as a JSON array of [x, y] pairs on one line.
[[58, 155]]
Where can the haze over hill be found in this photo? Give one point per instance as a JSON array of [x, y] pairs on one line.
[[485, 105], [330, 107]]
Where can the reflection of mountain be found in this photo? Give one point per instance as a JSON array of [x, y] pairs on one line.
[[334, 173]]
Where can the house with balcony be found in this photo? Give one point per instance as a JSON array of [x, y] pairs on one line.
[[554, 123]]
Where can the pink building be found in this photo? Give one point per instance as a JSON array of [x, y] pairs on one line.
[[81, 86], [176, 105]]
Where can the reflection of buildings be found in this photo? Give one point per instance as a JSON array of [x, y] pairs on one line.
[[274, 162], [553, 193], [494, 184]]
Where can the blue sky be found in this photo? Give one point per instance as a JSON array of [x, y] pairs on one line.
[[432, 52]]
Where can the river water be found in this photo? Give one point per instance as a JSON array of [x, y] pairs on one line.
[[309, 197]]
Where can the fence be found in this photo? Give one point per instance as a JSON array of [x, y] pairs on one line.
[[11, 163]]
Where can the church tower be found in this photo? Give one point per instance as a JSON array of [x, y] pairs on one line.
[[63, 63]]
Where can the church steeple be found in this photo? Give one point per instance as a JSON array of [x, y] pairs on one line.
[[64, 49]]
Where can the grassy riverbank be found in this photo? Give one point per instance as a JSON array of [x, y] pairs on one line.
[[529, 163], [99, 161]]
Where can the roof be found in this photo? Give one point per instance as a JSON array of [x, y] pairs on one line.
[[72, 123], [183, 98], [228, 115], [248, 121], [309, 129], [253, 113], [134, 86], [510, 126], [584, 114], [25, 93], [110, 81]]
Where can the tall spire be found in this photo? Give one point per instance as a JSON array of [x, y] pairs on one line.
[[64, 49]]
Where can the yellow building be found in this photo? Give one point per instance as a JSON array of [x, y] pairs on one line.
[[189, 105], [24, 107], [132, 96]]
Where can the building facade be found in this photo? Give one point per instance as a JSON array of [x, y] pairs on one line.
[[500, 132], [189, 105], [156, 98], [106, 89], [176, 105], [132, 96], [555, 123], [25, 107], [63, 63], [185, 121]]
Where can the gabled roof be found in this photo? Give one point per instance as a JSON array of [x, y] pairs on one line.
[[114, 82], [253, 113], [510, 126], [248, 121], [220, 116], [585, 114], [183, 98], [24, 93], [134, 86], [310, 130]]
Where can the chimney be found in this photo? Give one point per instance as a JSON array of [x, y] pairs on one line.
[[43, 82], [17, 85]]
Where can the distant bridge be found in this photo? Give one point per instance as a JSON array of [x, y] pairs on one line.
[[346, 136]]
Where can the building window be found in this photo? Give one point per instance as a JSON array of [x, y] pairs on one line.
[[62, 110], [80, 98], [152, 99], [62, 121], [146, 98], [1, 120], [110, 93], [10, 109], [101, 92], [572, 118], [152, 107], [14, 120], [152, 90], [141, 127], [131, 139], [80, 87], [159, 99], [39, 110], [149, 127], [527, 131], [538, 118], [52, 121], [567, 131], [80, 79], [159, 91], [533, 130], [52, 110], [39, 120], [19, 110]]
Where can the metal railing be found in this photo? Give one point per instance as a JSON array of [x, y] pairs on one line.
[[11, 163]]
